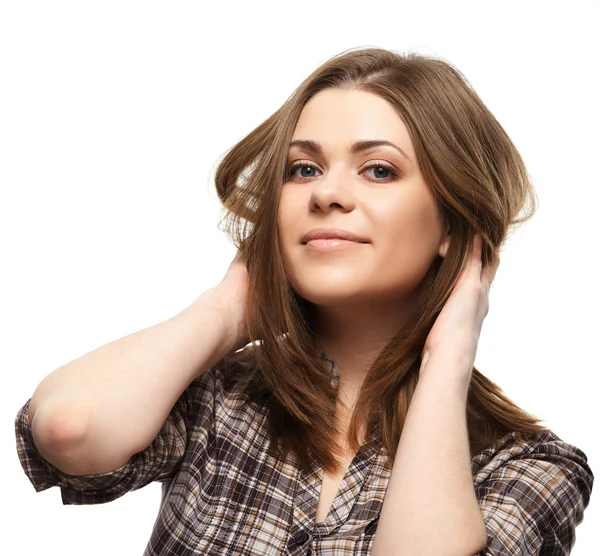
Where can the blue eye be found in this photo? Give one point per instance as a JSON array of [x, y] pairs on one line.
[[292, 169], [380, 167]]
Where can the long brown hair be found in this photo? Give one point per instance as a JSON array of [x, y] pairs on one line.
[[481, 185]]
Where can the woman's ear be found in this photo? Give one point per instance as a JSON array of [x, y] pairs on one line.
[[443, 249]]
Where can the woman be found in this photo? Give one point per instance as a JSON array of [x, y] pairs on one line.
[[369, 212]]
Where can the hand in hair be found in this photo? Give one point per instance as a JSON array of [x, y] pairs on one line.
[[457, 328], [230, 295]]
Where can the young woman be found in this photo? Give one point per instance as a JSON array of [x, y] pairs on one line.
[[322, 398]]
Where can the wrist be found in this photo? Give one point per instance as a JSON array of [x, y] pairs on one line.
[[448, 356], [208, 309], [232, 311], [450, 366]]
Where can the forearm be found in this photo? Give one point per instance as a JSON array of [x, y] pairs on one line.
[[430, 505], [92, 414]]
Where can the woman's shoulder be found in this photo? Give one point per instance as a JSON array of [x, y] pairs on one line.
[[234, 382], [532, 491], [541, 451], [228, 373]]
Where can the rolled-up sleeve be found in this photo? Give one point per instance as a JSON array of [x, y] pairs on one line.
[[532, 497], [158, 462]]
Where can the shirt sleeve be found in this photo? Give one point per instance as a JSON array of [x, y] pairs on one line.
[[534, 497], [158, 462]]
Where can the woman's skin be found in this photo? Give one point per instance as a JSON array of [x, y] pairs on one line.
[[364, 293]]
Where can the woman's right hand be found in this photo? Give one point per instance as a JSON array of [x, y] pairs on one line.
[[230, 296]]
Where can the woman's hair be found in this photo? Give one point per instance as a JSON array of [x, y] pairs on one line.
[[480, 184]]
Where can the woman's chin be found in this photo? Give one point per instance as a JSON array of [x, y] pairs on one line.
[[331, 297]]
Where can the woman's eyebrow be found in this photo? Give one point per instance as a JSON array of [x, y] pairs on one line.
[[315, 147]]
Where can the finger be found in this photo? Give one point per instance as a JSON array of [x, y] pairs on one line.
[[489, 272], [476, 261], [471, 270]]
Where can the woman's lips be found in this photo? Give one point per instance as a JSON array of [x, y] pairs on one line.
[[331, 244]]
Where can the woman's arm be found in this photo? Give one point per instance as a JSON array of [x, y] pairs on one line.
[[91, 415], [430, 506]]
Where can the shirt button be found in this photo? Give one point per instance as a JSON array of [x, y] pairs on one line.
[[303, 536]]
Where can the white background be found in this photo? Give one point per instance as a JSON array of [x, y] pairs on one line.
[[113, 116]]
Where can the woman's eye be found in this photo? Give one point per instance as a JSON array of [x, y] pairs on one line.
[[378, 169], [292, 170], [382, 171]]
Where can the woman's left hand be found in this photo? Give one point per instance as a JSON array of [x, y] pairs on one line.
[[458, 326]]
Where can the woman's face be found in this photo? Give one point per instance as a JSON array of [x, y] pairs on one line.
[[330, 185]]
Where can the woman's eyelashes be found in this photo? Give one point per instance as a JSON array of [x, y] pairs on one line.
[[390, 173]]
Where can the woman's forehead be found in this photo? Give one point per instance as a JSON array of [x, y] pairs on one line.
[[335, 119]]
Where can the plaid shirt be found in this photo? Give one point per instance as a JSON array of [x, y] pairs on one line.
[[223, 493]]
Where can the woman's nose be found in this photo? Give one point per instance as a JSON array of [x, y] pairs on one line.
[[332, 192]]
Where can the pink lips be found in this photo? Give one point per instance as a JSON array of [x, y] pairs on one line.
[[331, 244], [332, 234]]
